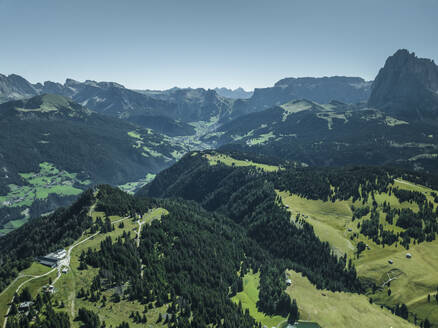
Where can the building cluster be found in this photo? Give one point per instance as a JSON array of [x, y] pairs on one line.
[[52, 260]]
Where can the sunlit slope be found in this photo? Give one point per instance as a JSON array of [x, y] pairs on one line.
[[413, 279], [333, 310]]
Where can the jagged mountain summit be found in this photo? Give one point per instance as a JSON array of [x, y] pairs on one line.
[[407, 86], [14, 87], [238, 93]]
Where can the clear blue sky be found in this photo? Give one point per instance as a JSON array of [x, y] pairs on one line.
[[159, 44]]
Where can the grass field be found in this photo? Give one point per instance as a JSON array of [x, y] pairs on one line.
[[417, 277], [132, 187], [140, 144], [249, 298], [154, 214], [228, 160], [336, 310]]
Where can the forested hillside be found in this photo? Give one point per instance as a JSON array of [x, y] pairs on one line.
[[186, 269], [53, 148], [363, 214], [334, 134], [187, 264]]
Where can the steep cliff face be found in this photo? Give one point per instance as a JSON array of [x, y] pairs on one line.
[[407, 87], [322, 90]]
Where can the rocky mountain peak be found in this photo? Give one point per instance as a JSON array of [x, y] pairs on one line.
[[407, 86]]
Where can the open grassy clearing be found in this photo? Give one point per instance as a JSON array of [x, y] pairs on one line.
[[6, 297], [228, 160], [416, 277], [154, 214], [132, 187], [295, 106], [328, 219], [249, 298], [339, 309], [261, 139]]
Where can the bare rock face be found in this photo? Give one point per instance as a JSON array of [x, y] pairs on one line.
[[407, 87], [15, 87]]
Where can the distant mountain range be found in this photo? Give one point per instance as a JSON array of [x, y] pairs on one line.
[[187, 105], [238, 93], [105, 132]]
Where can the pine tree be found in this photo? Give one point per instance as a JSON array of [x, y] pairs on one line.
[[426, 323], [294, 313], [13, 310]]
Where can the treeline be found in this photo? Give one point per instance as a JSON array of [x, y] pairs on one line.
[[358, 183], [116, 202]]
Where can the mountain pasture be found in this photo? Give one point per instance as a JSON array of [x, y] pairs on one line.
[[410, 279]]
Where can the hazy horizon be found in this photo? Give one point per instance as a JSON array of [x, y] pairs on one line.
[[248, 44]]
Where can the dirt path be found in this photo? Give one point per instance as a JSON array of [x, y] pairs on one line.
[[422, 297], [405, 182], [18, 289], [14, 281], [63, 263], [139, 232]]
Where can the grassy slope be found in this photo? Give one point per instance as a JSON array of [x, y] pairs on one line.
[[228, 160], [34, 285], [418, 276], [249, 298], [339, 309]]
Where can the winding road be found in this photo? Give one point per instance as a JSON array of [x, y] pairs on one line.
[[18, 289], [65, 262]]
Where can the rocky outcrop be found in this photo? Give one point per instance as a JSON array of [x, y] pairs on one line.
[[407, 87]]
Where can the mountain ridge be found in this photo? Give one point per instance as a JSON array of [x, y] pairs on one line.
[[64, 148]]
